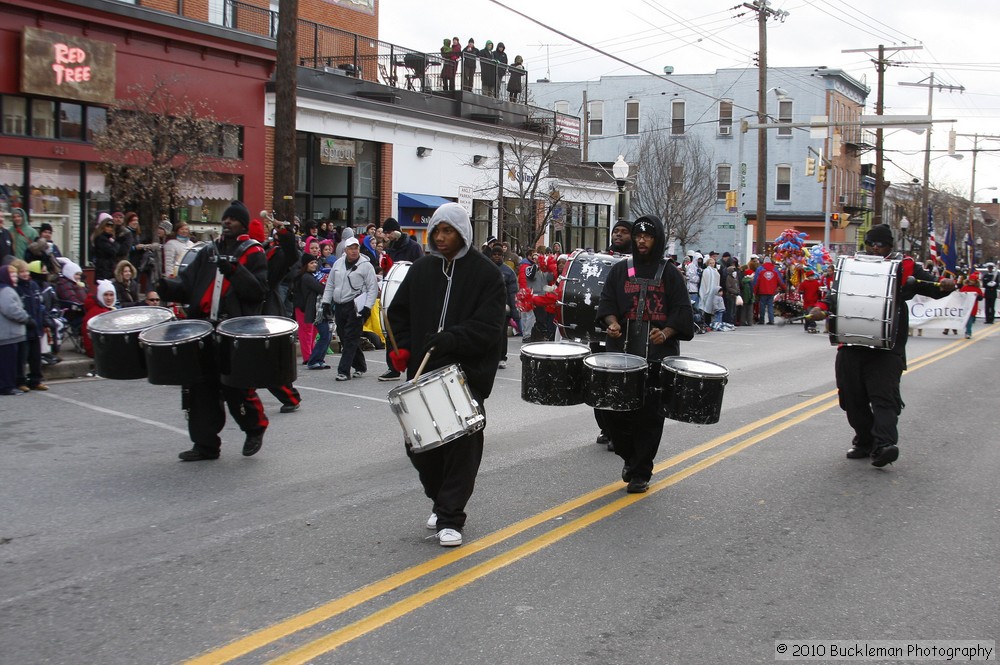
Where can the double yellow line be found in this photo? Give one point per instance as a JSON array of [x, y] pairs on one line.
[[774, 423]]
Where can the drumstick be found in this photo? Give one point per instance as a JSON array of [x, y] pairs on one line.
[[914, 280], [392, 338], [423, 363]]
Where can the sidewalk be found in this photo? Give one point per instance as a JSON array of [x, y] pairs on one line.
[[73, 366]]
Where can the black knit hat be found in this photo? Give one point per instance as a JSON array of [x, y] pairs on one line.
[[239, 212], [622, 222], [390, 225], [880, 233]]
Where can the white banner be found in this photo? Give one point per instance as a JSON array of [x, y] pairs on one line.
[[950, 312]]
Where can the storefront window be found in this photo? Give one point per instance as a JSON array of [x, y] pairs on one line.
[[70, 121], [43, 118], [55, 198], [97, 121], [11, 183]]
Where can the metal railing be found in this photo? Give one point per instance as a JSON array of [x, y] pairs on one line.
[[349, 54]]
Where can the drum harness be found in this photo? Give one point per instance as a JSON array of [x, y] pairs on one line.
[[241, 249], [644, 285]]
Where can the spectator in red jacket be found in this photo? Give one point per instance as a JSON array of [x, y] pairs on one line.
[[809, 290], [767, 282]]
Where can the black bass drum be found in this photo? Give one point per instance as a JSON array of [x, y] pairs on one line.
[[582, 285]]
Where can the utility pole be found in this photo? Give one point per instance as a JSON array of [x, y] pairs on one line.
[[971, 243], [881, 64], [926, 203], [764, 12], [285, 85]]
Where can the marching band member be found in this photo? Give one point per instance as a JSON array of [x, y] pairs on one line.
[[647, 312], [226, 280], [621, 245], [451, 305], [867, 377]]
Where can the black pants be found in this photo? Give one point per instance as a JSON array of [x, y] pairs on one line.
[[503, 343], [636, 435], [448, 474], [287, 395], [349, 326], [207, 416], [29, 353], [990, 309], [868, 390]]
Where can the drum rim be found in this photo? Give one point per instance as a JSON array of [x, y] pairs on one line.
[[585, 350], [262, 335], [208, 330], [665, 363], [95, 323], [426, 378], [637, 368]]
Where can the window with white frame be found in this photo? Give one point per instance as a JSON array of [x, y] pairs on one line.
[[784, 115], [632, 117], [595, 113], [562, 106], [677, 118], [676, 186], [783, 183], [723, 181], [725, 118]]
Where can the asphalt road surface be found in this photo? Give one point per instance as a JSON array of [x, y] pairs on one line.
[[755, 530]]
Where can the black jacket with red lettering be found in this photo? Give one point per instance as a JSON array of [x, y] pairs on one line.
[[243, 292]]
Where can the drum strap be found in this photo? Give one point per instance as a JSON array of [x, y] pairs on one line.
[[641, 307], [213, 314]]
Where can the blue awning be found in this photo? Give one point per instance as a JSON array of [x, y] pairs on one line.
[[421, 201]]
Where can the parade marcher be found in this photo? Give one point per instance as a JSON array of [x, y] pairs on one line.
[[990, 279], [450, 304], [349, 296], [399, 246], [647, 311], [868, 378], [971, 285], [621, 245], [226, 280]]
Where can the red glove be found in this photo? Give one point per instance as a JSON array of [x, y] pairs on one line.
[[400, 359]]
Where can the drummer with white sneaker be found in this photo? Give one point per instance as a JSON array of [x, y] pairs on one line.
[[450, 305]]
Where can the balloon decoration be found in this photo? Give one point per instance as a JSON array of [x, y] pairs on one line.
[[819, 259], [788, 248]]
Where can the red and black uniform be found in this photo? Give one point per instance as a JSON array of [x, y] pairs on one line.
[[243, 291], [282, 254]]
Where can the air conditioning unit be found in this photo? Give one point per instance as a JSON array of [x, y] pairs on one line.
[[842, 200], [725, 130]]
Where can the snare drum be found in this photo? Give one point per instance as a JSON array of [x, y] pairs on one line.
[[390, 285], [582, 285], [179, 353], [436, 408], [865, 289], [115, 335], [691, 389], [552, 373], [615, 381], [257, 351]]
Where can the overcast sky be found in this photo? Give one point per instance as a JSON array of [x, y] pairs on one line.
[[959, 38]]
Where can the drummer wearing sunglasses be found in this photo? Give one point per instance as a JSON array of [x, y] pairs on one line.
[[868, 377]]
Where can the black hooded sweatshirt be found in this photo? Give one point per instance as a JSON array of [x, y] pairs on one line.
[[667, 303]]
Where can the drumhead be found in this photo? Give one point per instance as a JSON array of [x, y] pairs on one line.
[[555, 350], [694, 367], [257, 326], [175, 332], [129, 319], [615, 362]]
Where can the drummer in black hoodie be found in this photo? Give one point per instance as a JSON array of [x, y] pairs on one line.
[[241, 263], [451, 304], [646, 310]]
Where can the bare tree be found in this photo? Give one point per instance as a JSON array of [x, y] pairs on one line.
[[524, 165], [156, 142], [674, 181]]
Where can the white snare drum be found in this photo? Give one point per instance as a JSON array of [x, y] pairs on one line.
[[390, 284], [436, 408], [865, 289]]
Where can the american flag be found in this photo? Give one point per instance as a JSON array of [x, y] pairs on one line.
[[932, 242]]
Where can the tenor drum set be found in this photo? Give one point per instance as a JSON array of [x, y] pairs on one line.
[[149, 343], [864, 292]]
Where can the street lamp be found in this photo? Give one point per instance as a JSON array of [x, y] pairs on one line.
[[904, 224], [620, 172]]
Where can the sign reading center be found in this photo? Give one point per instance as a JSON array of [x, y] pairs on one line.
[[67, 66]]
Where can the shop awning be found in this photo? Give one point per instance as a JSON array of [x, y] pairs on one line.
[[421, 201]]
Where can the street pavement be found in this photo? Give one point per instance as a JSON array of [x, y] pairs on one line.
[[755, 529]]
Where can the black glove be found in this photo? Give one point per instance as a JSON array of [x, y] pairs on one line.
[[327, 311], [162, 285], [365, 313], [226, 265], [443, 343], [30, 324]]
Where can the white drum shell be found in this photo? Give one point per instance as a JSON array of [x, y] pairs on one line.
[[436, 408], [390, 284], [865, 295]]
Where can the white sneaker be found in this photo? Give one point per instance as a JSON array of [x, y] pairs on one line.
[[432, 522], [358, 374], [503, 364], [449, 538]]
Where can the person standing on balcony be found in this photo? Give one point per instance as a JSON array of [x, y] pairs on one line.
[[500, 55], [451, 51], [488, 69], [515, 78], [469, 55]]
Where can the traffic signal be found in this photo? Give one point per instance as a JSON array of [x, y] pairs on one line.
[[821, 173], [835, 220], [810, 166], [731, 200]]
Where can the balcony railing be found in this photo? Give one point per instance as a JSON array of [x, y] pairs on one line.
[[346, 53]]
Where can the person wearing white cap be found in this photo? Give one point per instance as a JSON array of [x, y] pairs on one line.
[[350, 291]]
